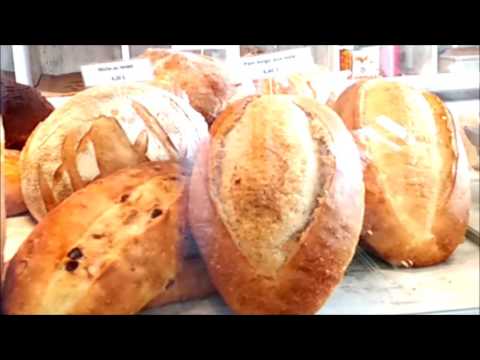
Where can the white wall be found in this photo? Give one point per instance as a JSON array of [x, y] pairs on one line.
[[6, 58], [65, 59]]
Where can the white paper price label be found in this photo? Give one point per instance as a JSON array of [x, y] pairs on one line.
[[117, 72], [366, 62], [278, 63]]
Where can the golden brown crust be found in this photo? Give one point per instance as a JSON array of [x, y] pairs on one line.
[[192, 283], [13, 194], [110, 248], [428, 173], [101, 130], [317, 254], [207, 83]]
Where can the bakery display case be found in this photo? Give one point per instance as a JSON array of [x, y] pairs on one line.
[[240, 179]]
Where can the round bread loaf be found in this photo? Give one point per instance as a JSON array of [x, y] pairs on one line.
[[101, 130], [207, 82], [416, 173], [13, 193], [22, 108], [276, 204]]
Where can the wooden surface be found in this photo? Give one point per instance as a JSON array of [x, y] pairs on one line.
[[61, 85]]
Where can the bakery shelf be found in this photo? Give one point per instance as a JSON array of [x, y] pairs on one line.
[[370, 286]]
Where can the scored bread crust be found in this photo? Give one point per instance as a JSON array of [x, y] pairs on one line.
[[386, 232], [101, 130], [128, 228], [319, 251]]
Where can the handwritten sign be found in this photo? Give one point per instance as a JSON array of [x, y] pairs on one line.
[[278, 63], [117, 72]]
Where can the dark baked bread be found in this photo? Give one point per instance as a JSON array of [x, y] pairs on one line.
[[22, 108]]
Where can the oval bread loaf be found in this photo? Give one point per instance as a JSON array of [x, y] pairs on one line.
[[110, 248], [101, 130], [276, 204], [416, 174]]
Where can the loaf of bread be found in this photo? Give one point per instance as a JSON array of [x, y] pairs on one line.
[[13, 193], [276, 204], [416, 172], [110, 248], [208, 83], [101, 130], [191, 283], [22, 108]]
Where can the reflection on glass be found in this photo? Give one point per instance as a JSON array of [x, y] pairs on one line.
[[416, 60], [6, 63], [458, 59]]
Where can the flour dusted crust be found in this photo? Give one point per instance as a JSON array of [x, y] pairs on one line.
[[101, 130], [417, 180], [207, 82], [110, 248], [276, 204]]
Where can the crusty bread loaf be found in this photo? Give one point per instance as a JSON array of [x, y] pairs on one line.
[[416, 174], [110, 248], [191, 283], [22, 108], [13, 193], [276, 204], [208, 83], [101, 130]]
